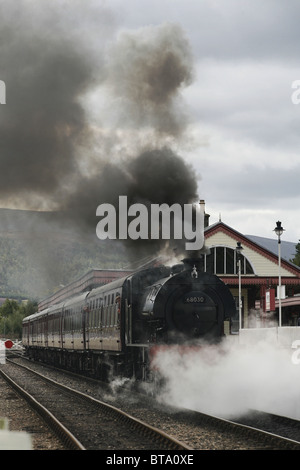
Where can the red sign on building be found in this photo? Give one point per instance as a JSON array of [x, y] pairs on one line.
[[270, 300]]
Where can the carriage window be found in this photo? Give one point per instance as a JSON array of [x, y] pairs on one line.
[[104, 315], [77, 320], [117, 308], [112, 310]]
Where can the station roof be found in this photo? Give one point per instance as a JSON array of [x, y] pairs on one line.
[[288, 249]]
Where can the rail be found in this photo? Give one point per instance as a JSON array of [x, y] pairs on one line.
[[59, 429], [167, 441]]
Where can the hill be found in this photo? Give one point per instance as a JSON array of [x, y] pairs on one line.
[[40, 252]]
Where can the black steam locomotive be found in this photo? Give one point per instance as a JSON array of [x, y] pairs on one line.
[[113, 329]]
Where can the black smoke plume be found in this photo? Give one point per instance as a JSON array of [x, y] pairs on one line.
[[90, 115], [154, 177], [48, 65]]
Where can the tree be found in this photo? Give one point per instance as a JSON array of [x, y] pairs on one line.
[[11, 316], [296, 259]]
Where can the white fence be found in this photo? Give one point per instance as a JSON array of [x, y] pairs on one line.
[[285, 336]]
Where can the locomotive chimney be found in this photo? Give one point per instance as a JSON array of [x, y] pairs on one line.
[[190, 263], [206, 216]]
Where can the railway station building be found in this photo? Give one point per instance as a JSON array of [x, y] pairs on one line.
[[259, 278]]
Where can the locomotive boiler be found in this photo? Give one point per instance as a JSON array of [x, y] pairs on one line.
[[112, 330]]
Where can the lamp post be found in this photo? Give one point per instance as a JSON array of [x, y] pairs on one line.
[[238, 250], [279, 231]]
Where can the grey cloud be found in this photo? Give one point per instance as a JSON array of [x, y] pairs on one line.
[[257, 187], [231, 29]]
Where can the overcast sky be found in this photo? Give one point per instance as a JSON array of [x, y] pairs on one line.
[[243, 133]]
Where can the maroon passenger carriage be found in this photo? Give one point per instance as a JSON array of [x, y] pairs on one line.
[[114, 329]]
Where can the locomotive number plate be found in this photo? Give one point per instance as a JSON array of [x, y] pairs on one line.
[[194, 299]]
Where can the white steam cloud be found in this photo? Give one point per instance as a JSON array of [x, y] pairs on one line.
[[228, 379]]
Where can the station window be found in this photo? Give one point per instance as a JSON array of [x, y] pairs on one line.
[[223, 260]]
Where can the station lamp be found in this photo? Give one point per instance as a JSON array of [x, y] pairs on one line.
[[279, 231], [238, 250]]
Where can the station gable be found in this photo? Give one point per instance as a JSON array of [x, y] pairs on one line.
[[263, 262]]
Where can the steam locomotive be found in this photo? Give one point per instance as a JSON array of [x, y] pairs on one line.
[[114, 329]]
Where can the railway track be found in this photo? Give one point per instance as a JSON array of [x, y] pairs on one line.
[[268, 430], [193, 430], [81, 421], [20, 420], [67, 438], [287, 428]]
